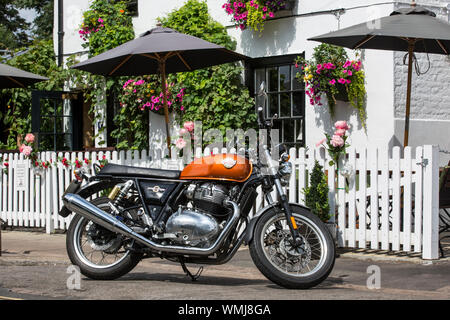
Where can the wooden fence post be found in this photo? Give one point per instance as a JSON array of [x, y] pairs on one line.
[[430, 202], [49, 224]]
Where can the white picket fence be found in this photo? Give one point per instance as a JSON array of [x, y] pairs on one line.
[[388, 202]]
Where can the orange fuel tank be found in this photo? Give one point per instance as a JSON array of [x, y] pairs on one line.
[[224, 167]]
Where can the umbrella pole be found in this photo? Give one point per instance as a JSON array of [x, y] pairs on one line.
[[408, 92], [166, 107]]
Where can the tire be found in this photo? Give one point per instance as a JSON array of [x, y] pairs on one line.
[[273, 272], [97, 272]]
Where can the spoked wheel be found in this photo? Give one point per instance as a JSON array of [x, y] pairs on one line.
[[100, 253], [290, 266]]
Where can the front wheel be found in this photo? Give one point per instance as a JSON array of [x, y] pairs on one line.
[[292, 267]]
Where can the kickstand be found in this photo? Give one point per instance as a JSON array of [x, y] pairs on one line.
[[188, 273]]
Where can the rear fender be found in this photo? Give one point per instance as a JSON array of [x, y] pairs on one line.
[[251, 226]]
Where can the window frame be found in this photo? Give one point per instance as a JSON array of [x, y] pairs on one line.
[[75, 118], [279, 61]]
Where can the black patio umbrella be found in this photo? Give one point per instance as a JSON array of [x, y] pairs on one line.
[[159, 50], [413, 29], [11, 77]]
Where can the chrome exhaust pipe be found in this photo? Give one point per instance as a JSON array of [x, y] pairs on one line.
[[81, 206]]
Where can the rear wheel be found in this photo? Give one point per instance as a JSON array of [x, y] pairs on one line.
[[275, 256], [99, 253]]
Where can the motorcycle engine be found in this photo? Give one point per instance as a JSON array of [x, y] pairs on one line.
[[201, 224]]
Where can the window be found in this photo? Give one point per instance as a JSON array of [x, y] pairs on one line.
[[56, 120], [286, 95]]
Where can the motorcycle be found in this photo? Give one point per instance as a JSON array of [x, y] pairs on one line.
[[199, 215]]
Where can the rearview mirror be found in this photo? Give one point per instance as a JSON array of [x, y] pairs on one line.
[[262, 89]]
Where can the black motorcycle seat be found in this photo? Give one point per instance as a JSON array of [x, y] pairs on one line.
[[111, 169]]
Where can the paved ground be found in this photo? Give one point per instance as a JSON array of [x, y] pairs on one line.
[[34, 266]]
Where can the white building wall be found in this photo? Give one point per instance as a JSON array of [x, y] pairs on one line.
[[430, 96], [289, 36]]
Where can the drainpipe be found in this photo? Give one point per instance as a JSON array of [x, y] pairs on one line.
[[60, 33]]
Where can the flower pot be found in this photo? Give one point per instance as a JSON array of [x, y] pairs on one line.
[[287, 11], [342, 94]]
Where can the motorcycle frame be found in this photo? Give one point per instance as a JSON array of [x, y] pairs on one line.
[[267, 181]]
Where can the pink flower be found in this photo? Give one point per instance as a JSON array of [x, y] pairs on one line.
[[189, 126], [271, 14], [342, 81], [349, 73], [332, 82], [100, 20], [183, 131], [321, 142], [180, 143], [21, 148], [347, 64], [29, 138], [337, 141], [340, 132], [26, 150], [341, 125]]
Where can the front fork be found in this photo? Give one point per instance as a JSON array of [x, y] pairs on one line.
[[297, 239]]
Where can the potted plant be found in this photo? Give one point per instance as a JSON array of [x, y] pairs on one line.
[[254, 13], [332, 74]]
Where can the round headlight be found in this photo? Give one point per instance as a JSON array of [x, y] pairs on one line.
[[285, 170]]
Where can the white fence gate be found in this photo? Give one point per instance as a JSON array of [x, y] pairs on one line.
[[385, 202]]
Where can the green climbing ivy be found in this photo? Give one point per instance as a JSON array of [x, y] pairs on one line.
[[215, 96]]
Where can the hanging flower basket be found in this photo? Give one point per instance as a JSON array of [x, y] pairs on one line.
[[332, 74], [254, 13]]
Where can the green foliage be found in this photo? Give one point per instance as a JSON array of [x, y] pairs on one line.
[[216, 95], [105, 26], [38, 59], [329, 53], [12, 26], [316, 195], [255, 17], [43, 22], [132, 128], [357, 95]]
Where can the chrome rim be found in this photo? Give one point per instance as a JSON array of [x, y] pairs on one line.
[[276, 241], [97, 255]]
